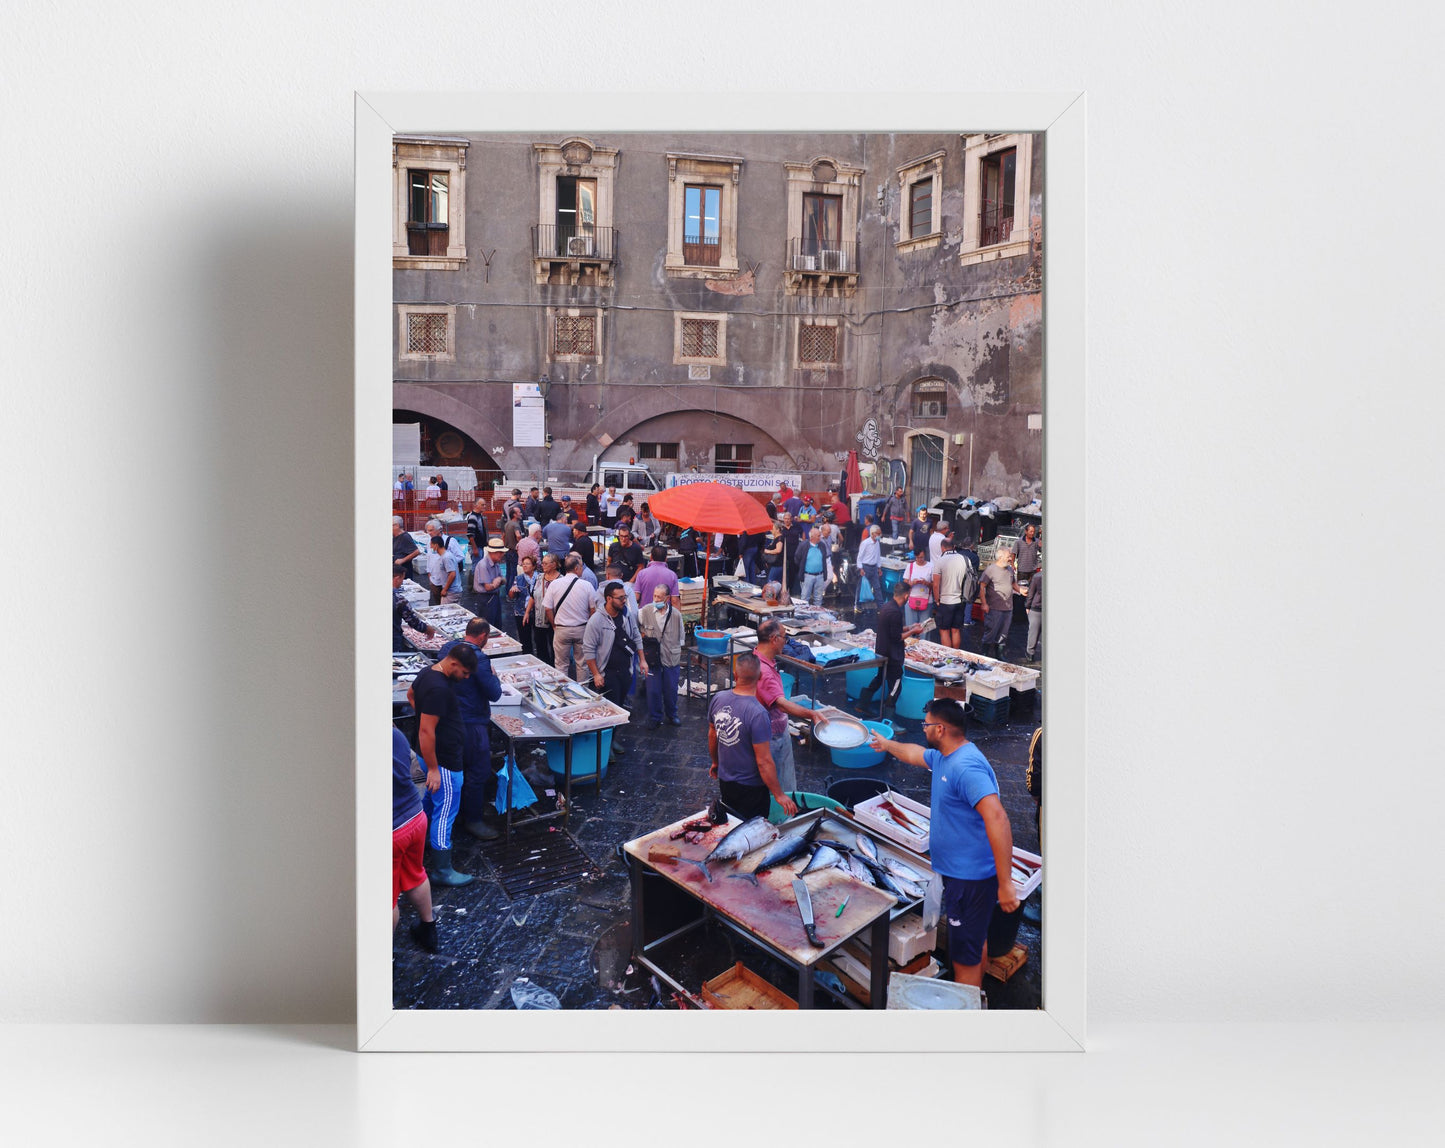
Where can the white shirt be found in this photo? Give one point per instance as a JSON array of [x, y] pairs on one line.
[[935, 545], [433, 491], [870, 552]]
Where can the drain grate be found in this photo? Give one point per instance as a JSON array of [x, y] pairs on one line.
[[533, 863]]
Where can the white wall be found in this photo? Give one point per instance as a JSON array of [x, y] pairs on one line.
[[175, 804]]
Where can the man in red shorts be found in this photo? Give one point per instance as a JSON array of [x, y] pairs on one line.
[[408, 844]]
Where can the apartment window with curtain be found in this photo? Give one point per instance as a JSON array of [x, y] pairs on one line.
[[426, 225]]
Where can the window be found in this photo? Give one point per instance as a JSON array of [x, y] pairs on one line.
[[702, 216], [700, 236], [733, 457], [817, 344], [429, 225], [823, 205], [920, 189], [920, 209], [658, 450], [426, 332], [426, 224], [930, 399], [996, 214], [700, 338], [573, 240], [997, 171], [574, 335]]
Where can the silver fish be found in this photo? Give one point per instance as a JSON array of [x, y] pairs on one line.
[[742, 840], [787, 847], [867, 847], [824, 857], [905, 871], [857, 869]]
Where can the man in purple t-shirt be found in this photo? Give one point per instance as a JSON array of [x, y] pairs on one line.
[[739, 733], [657, 573]]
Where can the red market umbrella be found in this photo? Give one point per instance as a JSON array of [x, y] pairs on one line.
[[854, 484], [711, 508]]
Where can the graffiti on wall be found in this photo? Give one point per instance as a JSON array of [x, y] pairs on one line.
[[870, 438]]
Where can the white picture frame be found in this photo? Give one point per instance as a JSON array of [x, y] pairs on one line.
[[1060, 1024]]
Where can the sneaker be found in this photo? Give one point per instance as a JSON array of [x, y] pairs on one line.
[[653, 723], [674, 721]]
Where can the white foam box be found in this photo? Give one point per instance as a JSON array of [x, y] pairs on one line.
[[867, 813], [907, 938], [510, 697], [989, 685], [1034, 864]]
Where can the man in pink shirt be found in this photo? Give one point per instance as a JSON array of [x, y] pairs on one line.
[[771, 638], [656, 573]]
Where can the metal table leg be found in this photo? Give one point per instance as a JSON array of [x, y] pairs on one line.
[[566, 781], [878, 966], [805, 987]]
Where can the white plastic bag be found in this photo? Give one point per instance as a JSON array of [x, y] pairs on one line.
[[525, 995], [933, 903]]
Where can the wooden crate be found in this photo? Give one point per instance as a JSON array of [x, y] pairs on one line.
[[741, 988]]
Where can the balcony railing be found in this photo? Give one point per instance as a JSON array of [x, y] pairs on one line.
[[701, 250], [595, 244], [822, 255], [995, 224]]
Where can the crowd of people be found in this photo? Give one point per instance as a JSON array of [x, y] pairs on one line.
[[613, 621]]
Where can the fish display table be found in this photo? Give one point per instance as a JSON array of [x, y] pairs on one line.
[[766, 913], [816, 671], [752, 609]]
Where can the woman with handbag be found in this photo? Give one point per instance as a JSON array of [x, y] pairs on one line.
[[918, 577], [536, 615], [520, 596]]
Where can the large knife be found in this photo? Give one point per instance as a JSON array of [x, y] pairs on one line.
[[805, 907]]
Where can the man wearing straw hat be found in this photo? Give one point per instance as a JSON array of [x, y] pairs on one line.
[[488, 575]]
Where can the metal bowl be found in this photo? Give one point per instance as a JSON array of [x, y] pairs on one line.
[[840, 732]]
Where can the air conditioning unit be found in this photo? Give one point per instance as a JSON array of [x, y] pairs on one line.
[[805, 263], [931, 408], [832, 260], [579, 245]]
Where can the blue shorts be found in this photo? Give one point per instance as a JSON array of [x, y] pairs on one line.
[[967, 910]]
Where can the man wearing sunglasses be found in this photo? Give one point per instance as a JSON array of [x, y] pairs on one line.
[[970, 842]]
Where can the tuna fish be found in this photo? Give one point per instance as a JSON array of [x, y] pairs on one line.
[[824, 857], [867, 847], [742, 840], [788, 846], [904, 871]]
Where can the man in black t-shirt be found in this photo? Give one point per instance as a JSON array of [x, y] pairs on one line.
[[403, 547], [626, 554], [547, 508], [582, 544], [441, 741], [890, 632]]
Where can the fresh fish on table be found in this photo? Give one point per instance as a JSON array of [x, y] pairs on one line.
[[824, 857], [788, 846], [880, 877], [903, 870], [867, 847], [742, 840]]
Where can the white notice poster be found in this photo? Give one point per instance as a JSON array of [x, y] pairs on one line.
[[529, 423]]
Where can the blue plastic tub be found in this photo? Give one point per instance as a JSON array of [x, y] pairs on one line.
[[863, 757], [915, 693], [712, 642], [859, 680], [584, 756], [890, 579]]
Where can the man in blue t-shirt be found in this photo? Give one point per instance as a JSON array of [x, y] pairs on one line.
[[971, 841], [739, 733]]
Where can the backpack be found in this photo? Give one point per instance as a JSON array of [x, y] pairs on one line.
[[970, 580]]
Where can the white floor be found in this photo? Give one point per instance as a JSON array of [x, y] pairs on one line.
[[1157, 1085]]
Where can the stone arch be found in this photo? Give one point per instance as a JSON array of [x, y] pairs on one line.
[[477, 423], [688, 425], [645, 404]]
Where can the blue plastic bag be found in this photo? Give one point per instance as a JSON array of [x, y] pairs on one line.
[[522, 793], [865, 591]]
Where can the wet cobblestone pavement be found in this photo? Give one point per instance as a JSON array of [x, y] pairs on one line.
[[573, 940]]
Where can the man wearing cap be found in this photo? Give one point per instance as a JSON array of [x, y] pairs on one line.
[[582, 545], [488, 577]]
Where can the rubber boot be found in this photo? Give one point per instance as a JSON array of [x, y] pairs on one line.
[[441, 872], [424, 933], [480, 830]]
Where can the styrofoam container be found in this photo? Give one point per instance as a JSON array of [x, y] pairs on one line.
[[907, 938], [510, 697], [868, 813], [988, 685], [1032, 861]]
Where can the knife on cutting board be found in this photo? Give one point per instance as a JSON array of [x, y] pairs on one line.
[[805, 908]]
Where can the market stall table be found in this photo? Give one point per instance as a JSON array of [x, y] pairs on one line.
[[692, 656], [752, 609], [765, 914], [866, 661]]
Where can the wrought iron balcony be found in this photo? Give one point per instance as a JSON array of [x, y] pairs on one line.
[[822, 256], [588, 244], [995, 224]]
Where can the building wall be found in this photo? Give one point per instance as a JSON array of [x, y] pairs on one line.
[[911, 314]]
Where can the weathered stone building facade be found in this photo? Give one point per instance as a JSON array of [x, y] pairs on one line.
[[725, 301]]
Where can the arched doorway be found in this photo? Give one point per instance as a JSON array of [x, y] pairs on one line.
[[443, 445], [927, 455]]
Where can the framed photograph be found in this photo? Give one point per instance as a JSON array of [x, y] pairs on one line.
[[719, 433]]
